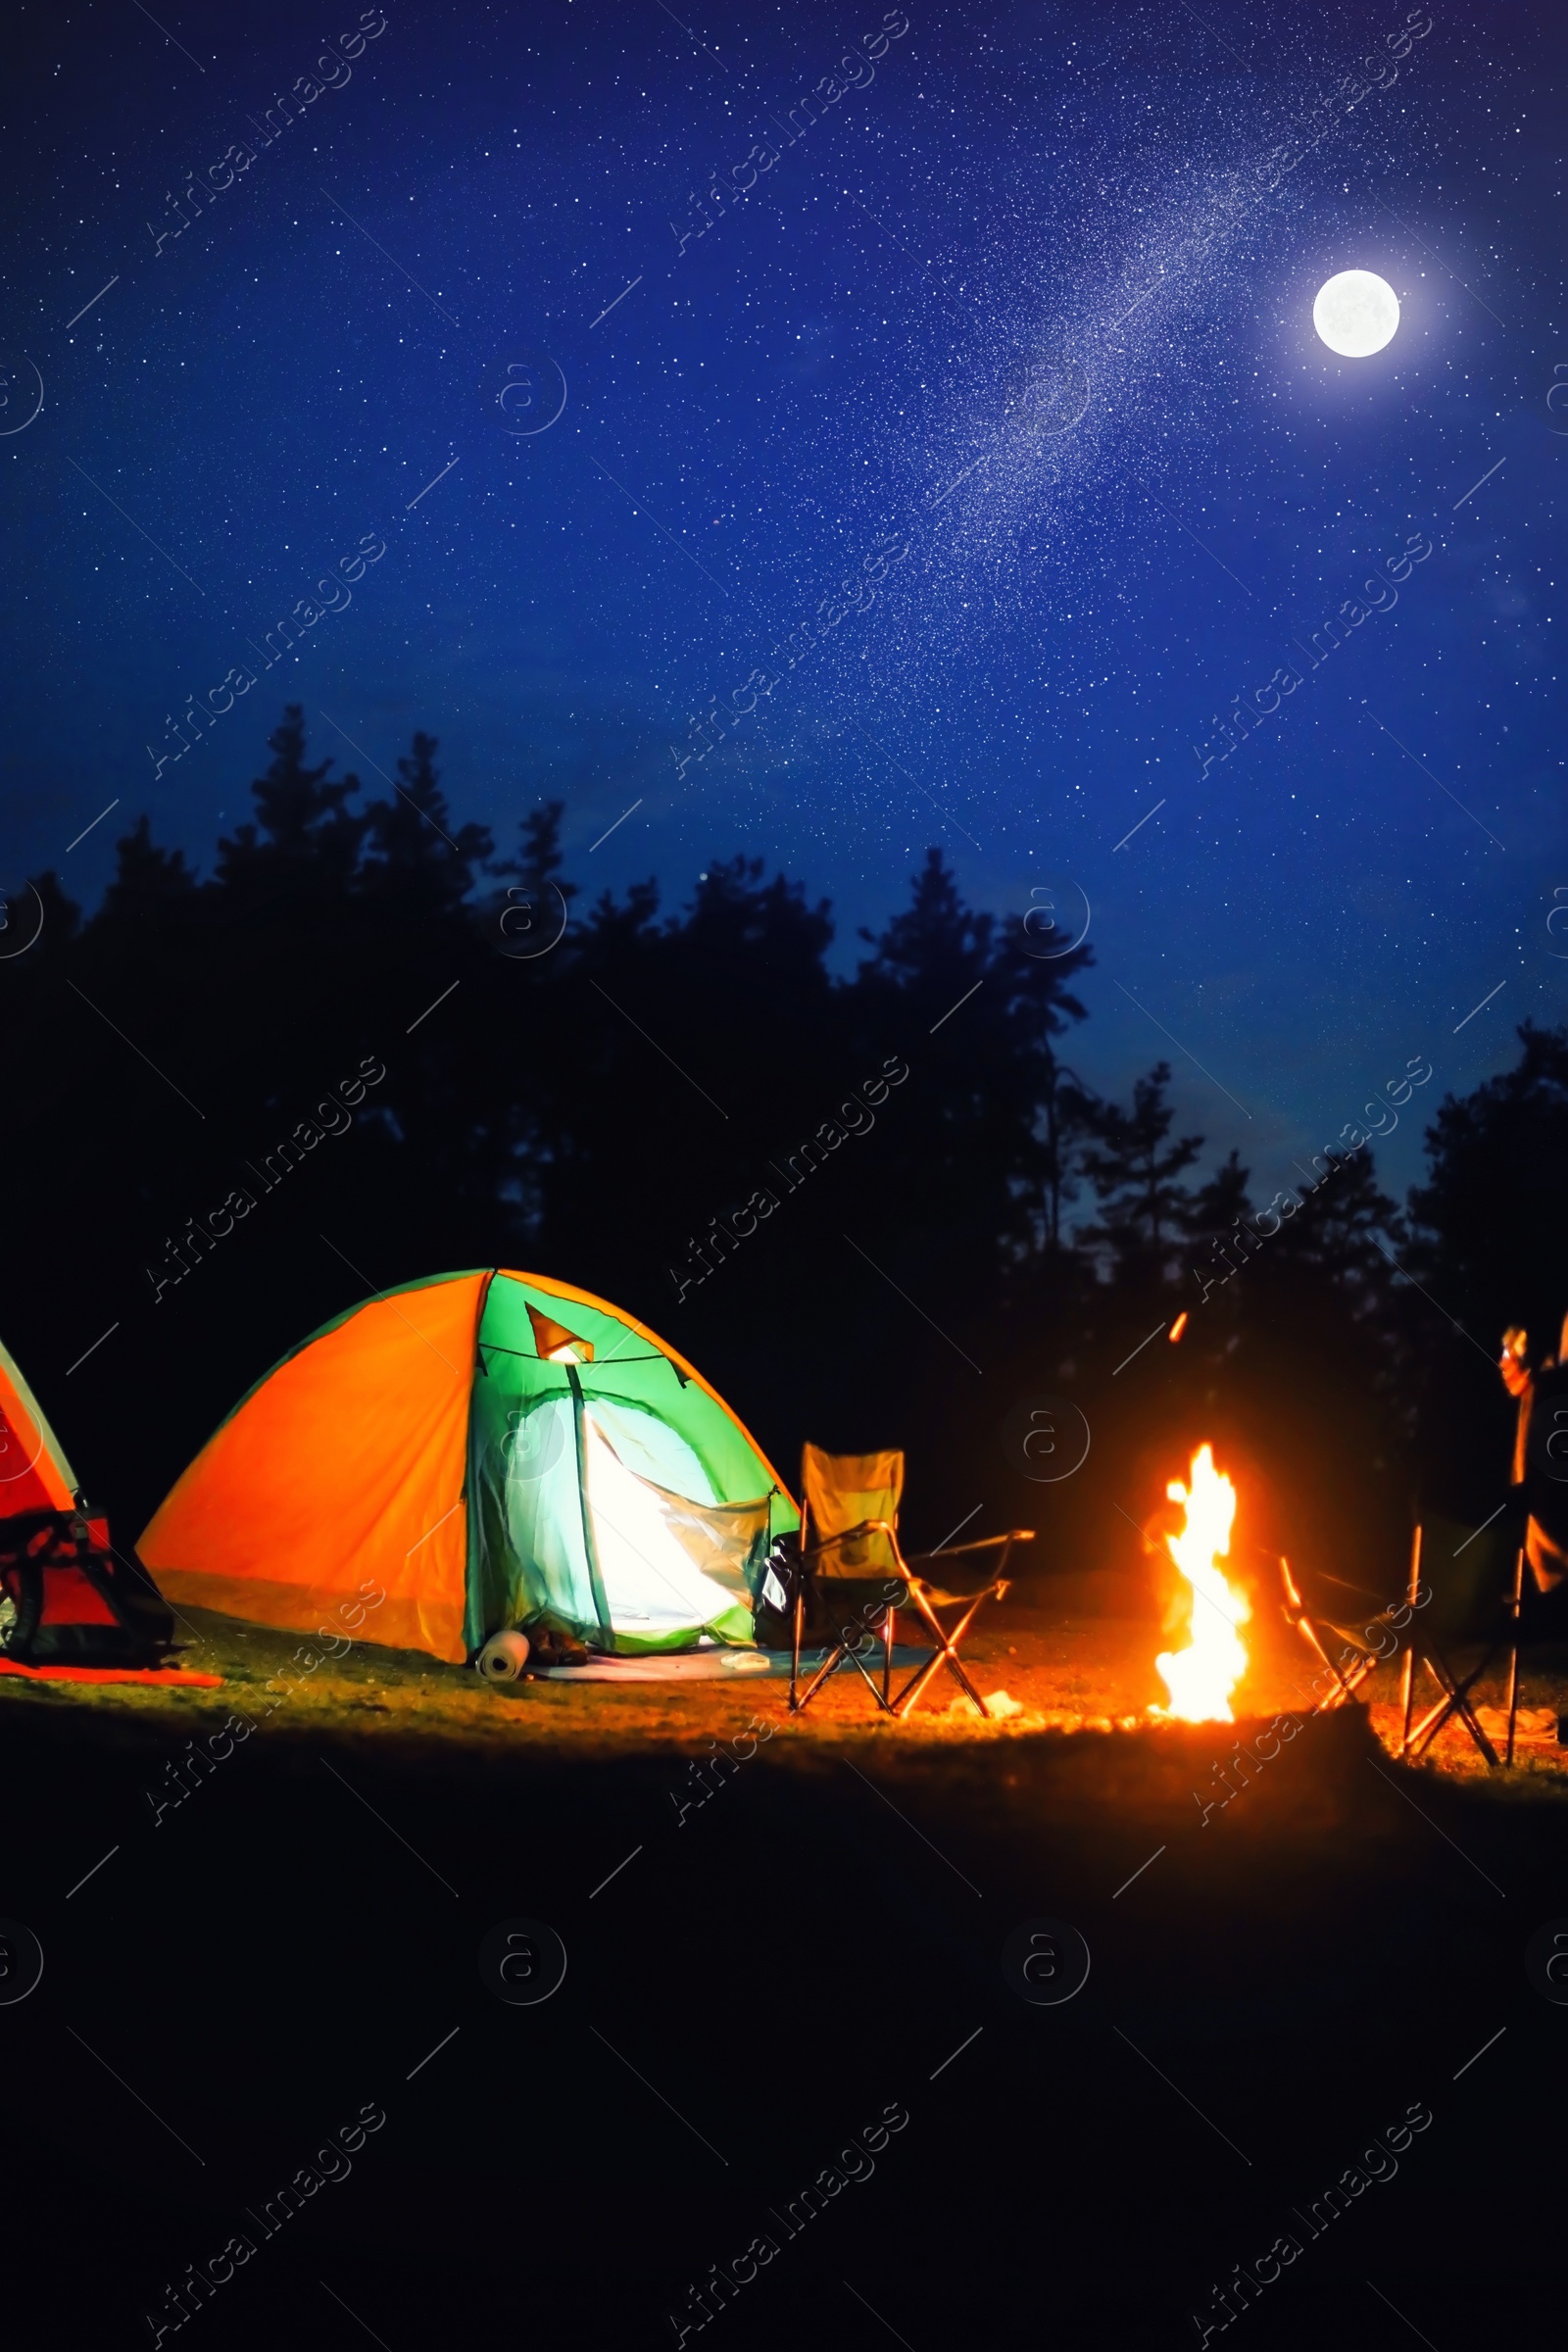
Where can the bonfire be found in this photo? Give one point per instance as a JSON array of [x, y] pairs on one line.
[[1201, 1678]]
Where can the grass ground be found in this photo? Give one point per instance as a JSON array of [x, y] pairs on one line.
[[1065, 1671]]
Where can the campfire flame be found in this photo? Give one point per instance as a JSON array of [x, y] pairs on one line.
[[1201, 1677]]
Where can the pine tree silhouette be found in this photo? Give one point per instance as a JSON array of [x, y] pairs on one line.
[[420, 862], [1134, 1171], [306, 841]]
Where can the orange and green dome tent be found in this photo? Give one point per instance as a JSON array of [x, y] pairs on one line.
[[485, 1449]]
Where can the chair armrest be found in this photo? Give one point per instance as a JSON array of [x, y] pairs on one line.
[[956, 1552], [851, 1534]]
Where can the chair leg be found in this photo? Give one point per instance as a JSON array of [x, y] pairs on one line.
[[887, 1658], [913, 1691], [1513, 1655], [834, 1659], [1426, 1731], [955, 1666], [1407, 1695], [1407, 1692], [869, 1680], [1449, 1710], [914, 1688], [795, 1654], [1455, 1701], [1309, 1634], [1357, 1675], [1461, 1700], [946, 1654]]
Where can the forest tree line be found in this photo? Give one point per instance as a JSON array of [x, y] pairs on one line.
[[882, 1208]]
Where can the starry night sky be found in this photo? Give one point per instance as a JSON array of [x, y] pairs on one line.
[[982, 441]]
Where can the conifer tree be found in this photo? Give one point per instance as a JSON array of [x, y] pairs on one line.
[[1135, 1173]]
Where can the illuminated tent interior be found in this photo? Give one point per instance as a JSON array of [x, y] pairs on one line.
[[487, 1449]]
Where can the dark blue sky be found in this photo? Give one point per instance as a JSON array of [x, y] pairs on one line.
[[1015, 335]]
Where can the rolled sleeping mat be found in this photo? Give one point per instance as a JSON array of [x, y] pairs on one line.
[[503, 1657]]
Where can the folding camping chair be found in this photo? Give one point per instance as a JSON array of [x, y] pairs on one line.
[[851, 1502], [1364, 1633], [1480, 1600]]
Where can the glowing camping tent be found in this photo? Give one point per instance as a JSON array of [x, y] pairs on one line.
[[487, 1449]]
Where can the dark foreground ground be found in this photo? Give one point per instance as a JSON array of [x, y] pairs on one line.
[[749, 1987]]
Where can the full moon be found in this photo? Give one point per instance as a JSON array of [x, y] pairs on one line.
[[1356, 313]]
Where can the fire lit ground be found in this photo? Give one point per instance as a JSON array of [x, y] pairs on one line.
[[1073, 1655]]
